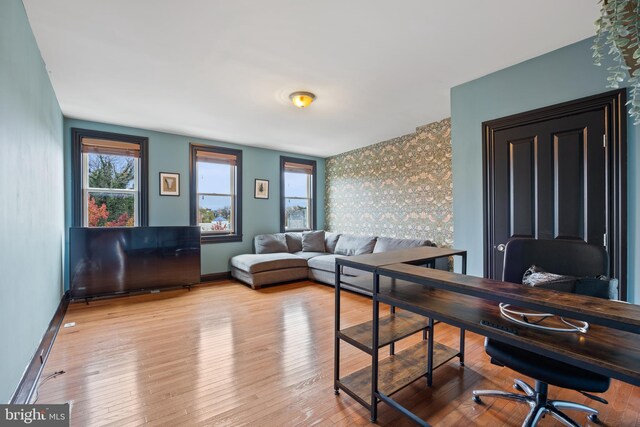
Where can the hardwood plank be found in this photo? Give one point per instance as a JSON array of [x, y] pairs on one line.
[[226, 354]]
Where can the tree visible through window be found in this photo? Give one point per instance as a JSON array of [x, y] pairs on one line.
[[297, 194], [107, 208], [216, 192], [109, 179]]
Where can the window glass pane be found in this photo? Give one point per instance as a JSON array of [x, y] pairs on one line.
[[296, 214], [214, 178], [110, 210], [214, 213], [111, 171], [295, 184]]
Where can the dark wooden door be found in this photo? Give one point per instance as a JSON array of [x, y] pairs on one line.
[[551, 176]]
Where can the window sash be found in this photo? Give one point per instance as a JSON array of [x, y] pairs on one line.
[[86, 189], [226, 159], [309, 197]]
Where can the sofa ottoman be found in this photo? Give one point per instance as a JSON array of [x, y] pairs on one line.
[[264, 269]]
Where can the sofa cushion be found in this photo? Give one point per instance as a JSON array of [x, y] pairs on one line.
[[313, 241], [309, 255], [255, 263], [270, 243], [387, 244], [330, 241], [354, 245], [294, 241], [324, 262]]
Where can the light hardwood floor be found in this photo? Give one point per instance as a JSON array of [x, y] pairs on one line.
[[224, 354]]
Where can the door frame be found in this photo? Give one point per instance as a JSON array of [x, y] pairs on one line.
[[613, 103]]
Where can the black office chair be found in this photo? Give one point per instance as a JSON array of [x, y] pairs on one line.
[[571, 258]]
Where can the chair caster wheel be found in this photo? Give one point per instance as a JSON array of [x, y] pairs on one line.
[[594, 418], [477, 399], [517, 387]]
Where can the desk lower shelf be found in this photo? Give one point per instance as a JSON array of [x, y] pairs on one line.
[[397, 371], [392, 328]]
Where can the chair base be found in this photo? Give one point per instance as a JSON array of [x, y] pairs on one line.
[[540, 406]]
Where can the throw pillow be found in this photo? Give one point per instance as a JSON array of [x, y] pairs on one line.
[[330, 241], [270, 243], [354, 245], [388, 244], [294, 242], [313, 241]]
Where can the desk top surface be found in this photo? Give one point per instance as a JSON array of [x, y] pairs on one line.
[[369, 262], [614, 314], [608, 351]]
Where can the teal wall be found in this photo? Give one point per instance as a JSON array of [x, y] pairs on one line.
[[31, 212], [170, 153], [561, 75]]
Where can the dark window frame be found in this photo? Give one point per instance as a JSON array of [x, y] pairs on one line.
[[77, 135], [314, 190], [193, 192]]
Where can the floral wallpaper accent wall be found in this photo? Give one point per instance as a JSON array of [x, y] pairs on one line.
[[398, 188]]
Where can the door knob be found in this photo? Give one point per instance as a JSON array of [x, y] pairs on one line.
[[500, 247]]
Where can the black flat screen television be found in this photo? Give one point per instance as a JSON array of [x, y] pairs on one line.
[[104, 261]]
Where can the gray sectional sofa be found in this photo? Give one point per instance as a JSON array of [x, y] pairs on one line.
[[284, 257]]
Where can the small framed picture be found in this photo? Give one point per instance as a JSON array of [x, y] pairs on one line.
[[262, 189], [169, 184]]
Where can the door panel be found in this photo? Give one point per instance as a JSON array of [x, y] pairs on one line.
[[522, 187], [569, 152], [549, 175]]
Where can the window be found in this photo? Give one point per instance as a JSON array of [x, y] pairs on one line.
[[216, 193], [109, 179], [297, 194]]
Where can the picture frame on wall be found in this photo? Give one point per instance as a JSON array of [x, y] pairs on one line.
[[261, 189], [169, 184]]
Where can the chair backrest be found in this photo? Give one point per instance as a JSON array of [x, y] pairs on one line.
[[566, 257]]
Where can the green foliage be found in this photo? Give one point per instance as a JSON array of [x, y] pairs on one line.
[[110, 171], [106, 171], [208, 215], [618, 33]]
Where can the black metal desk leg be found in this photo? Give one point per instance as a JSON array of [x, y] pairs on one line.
[[336, 351], [374, 348], [464, 263], [392, 346], [461, 347], [430, 354]]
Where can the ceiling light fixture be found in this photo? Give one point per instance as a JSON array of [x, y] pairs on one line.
[[302, 99]]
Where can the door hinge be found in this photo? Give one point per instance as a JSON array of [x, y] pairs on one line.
[[604, 141]]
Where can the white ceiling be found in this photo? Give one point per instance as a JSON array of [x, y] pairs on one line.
[[223, 70]]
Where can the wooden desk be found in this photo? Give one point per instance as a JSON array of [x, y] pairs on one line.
[[614, 314], [610, 347], [604, 350]]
